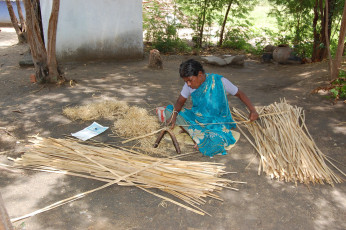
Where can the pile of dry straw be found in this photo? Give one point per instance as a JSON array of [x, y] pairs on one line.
[[285, 146], [129, 122], [107, 109], [189, 181]]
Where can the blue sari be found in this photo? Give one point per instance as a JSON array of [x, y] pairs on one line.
[[209, 106]]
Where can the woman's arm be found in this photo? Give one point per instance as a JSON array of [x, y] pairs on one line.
[[253, 113], [177, 107]]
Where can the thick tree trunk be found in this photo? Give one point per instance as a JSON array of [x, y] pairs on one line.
[[341, 43], [224, 22], [21, 17], [38, 51], [21, 37], [51, 46], [320, 38], [45, 62], [319, 47]]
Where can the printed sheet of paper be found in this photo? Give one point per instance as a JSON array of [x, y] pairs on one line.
[[93, 130]]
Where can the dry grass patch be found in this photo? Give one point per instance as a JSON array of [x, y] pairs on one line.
[[129, 122], [105, 109]]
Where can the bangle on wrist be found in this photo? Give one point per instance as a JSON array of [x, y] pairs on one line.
[[175, 112]]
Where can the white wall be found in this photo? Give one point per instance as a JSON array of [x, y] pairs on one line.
[[97, 29]]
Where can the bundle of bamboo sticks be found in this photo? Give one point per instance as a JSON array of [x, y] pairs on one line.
[[285, 146], [189, 181]]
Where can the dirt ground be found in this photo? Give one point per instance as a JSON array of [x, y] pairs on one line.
[[28, 109]]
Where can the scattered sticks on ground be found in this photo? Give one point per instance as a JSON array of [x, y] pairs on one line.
[[7, 168], [189, 181], [7, 132], [286, 147]]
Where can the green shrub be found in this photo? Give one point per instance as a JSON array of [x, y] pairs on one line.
[[167, 41], [238, 39], [338, 90], [168, 45]]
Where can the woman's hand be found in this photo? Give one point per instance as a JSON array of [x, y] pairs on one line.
[[171, 121], [253, 115], [177, 107]]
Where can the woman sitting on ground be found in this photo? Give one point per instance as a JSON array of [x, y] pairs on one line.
[[209, 121]]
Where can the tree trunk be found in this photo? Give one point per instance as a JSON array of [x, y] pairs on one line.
[[322, 51], [21, 38], [37, 10], [316, 36], [203, 22], [21, 17], [320, 38], [51, 46], [297, 35], [319, 47], [341, 43], [38, 51], [224, 22], [196, 37], [45, 62], [331, 9], [327, 41]]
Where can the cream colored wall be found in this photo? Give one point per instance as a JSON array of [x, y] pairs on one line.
[[97, 29]]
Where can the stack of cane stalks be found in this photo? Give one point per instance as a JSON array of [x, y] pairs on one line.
[[287, 150], [189, 181]]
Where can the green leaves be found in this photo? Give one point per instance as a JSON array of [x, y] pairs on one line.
[[242, 27], [335, 92], [338, 90], [295, 20]]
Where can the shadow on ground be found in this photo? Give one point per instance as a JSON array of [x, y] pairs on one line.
[[29, 109]]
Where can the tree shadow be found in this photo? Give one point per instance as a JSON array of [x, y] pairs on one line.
[[262, 203]]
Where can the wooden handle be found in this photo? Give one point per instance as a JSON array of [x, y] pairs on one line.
[[159, 138], [175, 142]]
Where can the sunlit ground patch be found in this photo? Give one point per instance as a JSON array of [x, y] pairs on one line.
[[8, 38]]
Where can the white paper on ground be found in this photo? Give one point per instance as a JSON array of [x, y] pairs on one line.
[[92, 130]]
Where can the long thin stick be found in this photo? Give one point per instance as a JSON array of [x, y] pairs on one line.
[[219, 123], [62, 202], [143, 136]]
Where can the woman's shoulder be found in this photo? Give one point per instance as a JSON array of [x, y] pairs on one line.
[[217, 76]]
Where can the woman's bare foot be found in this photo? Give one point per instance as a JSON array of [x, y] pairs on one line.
[[196, 146]]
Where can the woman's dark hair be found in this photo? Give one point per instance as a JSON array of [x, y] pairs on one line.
[[190, 68]]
